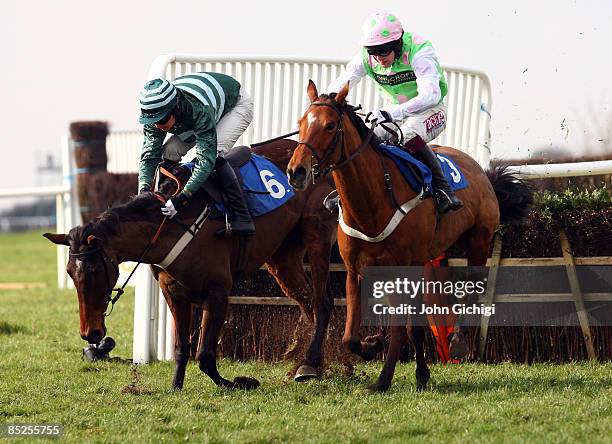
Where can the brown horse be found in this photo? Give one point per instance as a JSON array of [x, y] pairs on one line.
[[332, 136], [204, 272]]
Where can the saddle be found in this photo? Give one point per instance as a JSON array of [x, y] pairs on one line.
[[236, 157]]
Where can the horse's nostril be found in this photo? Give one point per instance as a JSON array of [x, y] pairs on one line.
[[94, 337], [299, 173]]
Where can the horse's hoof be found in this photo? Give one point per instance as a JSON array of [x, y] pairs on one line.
[[246, 383], [371, 346], [304, 373], [377, 388], [377, 342], [421, 386], [458, 347]]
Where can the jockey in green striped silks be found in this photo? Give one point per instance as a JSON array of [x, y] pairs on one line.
[[205, 109], [408, 75]]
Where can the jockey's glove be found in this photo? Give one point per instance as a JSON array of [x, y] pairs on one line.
[[144, 189], [381, 116], [174, 205]]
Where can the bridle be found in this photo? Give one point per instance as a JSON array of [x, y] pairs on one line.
[[337, 141], [108, 260]]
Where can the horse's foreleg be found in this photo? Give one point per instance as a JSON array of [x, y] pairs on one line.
[[368, 349], [318, 255], [181, 313], [213, 318]]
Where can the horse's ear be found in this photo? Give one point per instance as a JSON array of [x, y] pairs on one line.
[[312, 91], [59, 239], [341, 96], [93, 241]]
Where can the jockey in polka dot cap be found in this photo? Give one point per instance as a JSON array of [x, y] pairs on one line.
[[408, 75]]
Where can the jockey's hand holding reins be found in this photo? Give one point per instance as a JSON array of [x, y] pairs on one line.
[[174, 205]]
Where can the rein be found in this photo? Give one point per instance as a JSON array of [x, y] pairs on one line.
[[366, 142]]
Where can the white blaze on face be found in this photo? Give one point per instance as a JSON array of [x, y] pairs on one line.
[[310, 118]]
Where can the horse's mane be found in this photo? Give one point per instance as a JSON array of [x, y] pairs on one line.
[[349, 110], [139, 208]]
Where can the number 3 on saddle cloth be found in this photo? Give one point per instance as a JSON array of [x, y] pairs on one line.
[[264, 185], [418, 175]]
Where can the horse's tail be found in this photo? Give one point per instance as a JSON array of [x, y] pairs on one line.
[[515, 197]]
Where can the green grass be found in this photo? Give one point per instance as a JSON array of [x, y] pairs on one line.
[[43, 379]]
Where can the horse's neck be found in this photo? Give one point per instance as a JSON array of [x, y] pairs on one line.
[[361, 187], [132, 240]]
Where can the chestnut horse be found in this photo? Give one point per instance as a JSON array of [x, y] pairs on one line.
[[334, 138], [205, 270]]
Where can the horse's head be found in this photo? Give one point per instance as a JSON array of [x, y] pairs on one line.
[[321, 136], [173, 177], [94, 271]]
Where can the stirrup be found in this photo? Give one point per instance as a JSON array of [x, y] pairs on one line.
[[225, 231], [332, 201], [446, 202]]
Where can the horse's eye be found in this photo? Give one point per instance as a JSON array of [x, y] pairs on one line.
[[330, 126]]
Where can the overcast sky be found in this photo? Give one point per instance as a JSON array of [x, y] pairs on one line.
[[63, 60]]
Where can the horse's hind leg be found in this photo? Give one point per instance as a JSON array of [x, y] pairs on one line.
[[181, 312], [417, 334], [286, 266], [398, 337], [478, 240], [213, 318]]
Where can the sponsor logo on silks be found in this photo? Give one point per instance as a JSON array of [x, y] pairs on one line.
[[434, 121], [395, 79]]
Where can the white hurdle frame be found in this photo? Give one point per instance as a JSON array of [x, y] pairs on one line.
[[278, 88]]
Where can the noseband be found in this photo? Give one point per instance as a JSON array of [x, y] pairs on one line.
[[337, 141], [99, 251]]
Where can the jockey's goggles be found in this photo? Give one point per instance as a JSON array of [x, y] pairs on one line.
[[381, 50]]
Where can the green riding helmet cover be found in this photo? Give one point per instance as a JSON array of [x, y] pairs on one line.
[[157, 99]]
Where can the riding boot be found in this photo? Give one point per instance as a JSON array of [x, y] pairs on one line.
[[443, 194], [240, 218]]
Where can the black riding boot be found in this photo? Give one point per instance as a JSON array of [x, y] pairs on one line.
[[240, 218], [443, 194]]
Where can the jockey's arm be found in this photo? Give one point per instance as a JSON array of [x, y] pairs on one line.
[[206, 153], [151, 155], [425, 68], [352, 74]]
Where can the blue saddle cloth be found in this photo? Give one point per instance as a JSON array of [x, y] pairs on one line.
[[264, 185], [260, 175], [418, 175]]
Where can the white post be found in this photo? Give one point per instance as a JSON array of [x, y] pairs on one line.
[[145, 313]]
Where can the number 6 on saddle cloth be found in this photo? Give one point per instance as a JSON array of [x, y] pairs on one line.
[[264, 185]]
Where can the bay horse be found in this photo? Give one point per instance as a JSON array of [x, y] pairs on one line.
[[334, 138], [204, 271]]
